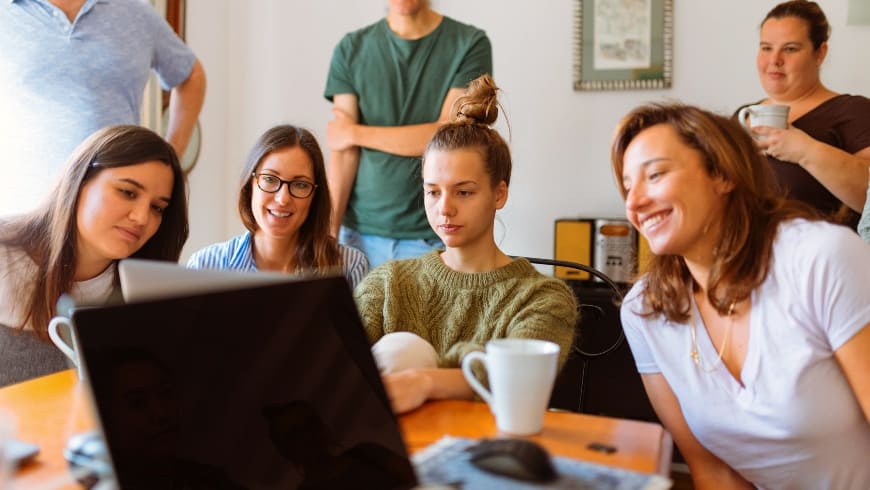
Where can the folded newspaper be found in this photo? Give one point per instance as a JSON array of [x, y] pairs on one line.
[[446, 462]]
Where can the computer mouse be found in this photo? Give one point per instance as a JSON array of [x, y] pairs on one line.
[[88, 458], [514, 458]]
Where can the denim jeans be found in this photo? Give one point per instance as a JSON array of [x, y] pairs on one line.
[[379, 249]]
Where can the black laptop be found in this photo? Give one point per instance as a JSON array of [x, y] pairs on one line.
[[266, 387]]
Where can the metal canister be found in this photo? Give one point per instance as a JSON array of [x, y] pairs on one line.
[[615, 251]]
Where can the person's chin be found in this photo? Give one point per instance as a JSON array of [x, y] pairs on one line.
[[452, 241]]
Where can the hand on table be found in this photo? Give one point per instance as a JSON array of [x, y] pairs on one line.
[[407, 389]]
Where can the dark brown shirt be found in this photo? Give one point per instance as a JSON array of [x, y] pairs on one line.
[[842, 122]]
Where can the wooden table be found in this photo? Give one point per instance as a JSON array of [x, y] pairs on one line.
[[51, 408]]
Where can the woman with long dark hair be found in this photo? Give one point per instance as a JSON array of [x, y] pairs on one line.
[[121, 195], [284, 204]]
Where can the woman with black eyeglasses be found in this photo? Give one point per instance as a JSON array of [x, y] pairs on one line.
[[284, 203]]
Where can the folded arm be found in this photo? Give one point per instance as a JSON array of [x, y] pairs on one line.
[[343, 163], [344, 132]]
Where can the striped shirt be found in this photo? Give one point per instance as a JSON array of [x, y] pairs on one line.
[[237, 254]]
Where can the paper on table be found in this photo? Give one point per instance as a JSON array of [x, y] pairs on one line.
[[446, 462]]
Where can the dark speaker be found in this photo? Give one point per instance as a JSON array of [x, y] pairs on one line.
[[600, 377]]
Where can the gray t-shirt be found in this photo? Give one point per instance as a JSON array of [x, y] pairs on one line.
[[23, 355]]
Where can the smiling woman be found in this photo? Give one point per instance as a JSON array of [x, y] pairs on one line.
[[122, 194], [822, 157], [284, 204], [750, 303]]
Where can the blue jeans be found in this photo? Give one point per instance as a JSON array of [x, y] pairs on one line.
[[379, 249]]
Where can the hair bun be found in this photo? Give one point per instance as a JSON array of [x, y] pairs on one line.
[[479, 105]]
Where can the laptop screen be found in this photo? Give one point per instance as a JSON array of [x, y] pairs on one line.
[[270, 387]]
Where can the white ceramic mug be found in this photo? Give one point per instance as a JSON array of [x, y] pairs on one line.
[[521, 373], [60, 330], [773, 115], [7, 432]]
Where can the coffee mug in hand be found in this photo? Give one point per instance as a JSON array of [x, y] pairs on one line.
[[773, 115], [521, 373], [60, 330]]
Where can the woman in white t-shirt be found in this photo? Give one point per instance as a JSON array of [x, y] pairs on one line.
[[121, 195], [751, 326]]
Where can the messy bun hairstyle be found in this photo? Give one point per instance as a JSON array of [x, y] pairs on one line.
[[469, 127]]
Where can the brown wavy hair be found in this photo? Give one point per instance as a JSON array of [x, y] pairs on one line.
[[753, 209], [317, 251], [470, 127], [48, 235]]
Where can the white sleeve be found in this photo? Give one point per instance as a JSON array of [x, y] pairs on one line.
[[833, 269], [635, 327]]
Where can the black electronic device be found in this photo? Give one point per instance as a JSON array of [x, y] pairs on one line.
[[515, 458], [266, 387], [88, 460]]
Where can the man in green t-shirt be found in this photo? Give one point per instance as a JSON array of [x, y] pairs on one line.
[[392, 84]]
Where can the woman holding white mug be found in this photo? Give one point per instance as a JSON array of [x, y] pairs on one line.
[[122, 194], [823, 156], [449, 303]]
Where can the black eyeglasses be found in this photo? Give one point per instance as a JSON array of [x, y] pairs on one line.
[[272, 183]]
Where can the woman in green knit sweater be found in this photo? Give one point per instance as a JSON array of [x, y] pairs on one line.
[[456, 300]]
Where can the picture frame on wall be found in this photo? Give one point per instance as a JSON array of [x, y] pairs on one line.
[[623, 44]]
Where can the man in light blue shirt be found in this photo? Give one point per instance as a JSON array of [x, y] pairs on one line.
[[70, 67]]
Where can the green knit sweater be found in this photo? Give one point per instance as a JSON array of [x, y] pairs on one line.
[[458, 312]]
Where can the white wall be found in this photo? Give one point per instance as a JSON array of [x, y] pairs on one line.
[[267, 62]]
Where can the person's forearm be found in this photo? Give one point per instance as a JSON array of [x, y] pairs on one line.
[[341, 174], [185, 103], [448, 383], [408, 141], [843, 174]]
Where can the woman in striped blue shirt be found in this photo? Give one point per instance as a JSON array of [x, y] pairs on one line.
[[284, 203]]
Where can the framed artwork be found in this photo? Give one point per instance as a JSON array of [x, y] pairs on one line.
[[623, 44]]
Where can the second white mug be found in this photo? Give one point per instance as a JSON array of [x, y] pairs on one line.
[[60, 331], [773, 115], [521, 373]]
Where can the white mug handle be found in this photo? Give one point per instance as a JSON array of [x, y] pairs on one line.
[[68, 350], [741, 117], [472, 379]]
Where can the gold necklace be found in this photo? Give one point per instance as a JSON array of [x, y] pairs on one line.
[[696, 357]]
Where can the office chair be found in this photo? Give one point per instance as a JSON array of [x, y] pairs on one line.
[[595, 310], [600, 376]]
